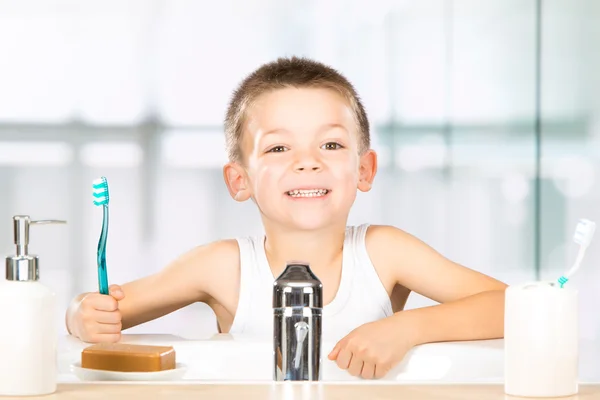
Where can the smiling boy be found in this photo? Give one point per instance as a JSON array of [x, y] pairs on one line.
[[299, 147]]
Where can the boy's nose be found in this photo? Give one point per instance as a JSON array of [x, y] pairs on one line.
[[308, 163], [313, 168]]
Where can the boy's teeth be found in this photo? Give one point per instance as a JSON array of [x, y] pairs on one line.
[[308, 193]]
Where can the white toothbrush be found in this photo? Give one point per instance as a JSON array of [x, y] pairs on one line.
[[583, 237]]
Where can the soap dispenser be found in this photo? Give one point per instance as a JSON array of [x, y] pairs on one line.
[[28, 336]]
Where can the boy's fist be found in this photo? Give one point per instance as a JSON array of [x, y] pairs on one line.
[[96, 318]]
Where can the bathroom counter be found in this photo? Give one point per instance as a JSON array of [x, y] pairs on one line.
[[294, 391], [234, 367], [237, 359]]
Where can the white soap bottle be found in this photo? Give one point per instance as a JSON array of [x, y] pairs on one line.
[[28, 334]]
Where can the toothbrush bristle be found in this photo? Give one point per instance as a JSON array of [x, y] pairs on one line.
[[584, 232], [100, 191], [562, 280]]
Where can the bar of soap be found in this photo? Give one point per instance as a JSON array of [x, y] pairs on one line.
[[128, 357]]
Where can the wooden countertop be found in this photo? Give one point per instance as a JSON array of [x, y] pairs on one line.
[[287, 390]]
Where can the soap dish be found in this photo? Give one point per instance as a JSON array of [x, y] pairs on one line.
[[87, 374]]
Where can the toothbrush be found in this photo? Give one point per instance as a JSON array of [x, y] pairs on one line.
[[583, 236], [101, 198]]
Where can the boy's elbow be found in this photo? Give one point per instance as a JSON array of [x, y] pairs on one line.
[[499, 287], [493, 285]]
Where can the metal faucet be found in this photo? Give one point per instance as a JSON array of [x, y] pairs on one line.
[[297, 309]]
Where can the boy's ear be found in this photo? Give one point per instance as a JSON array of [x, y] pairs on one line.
[[367, 170], [235, 179]]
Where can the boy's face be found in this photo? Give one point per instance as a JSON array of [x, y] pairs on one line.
[[302, 164]]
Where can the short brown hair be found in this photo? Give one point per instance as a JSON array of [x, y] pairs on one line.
[[294, 72]]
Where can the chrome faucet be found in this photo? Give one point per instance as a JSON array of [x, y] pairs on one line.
[[297, 308]]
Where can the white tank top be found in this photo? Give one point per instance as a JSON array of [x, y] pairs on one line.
[[361, 297]]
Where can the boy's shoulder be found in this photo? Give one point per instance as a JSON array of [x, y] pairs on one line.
[[220, 248], [222, 253], [388, 246], [383, 235]]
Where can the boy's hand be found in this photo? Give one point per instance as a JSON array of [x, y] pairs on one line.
[[373, 349], [96, 318]]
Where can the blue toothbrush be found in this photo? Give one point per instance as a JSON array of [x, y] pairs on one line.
[[101, 198]]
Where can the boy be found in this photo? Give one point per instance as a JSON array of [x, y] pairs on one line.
[[298, 144]]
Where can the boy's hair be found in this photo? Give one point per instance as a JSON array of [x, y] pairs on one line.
[[283, 73]]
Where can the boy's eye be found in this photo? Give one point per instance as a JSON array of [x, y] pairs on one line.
[[277, 149], [332, 146]]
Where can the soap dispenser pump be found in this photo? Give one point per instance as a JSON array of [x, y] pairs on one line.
[[28, 337]]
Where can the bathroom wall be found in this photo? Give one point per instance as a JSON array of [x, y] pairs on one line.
[[570, 146], [483, 114]]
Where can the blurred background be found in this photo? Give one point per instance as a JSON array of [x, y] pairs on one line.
[[485, 115]]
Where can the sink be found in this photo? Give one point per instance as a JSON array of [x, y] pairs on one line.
[[224, 358]]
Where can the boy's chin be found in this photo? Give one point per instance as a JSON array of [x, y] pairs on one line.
[[310, 223]]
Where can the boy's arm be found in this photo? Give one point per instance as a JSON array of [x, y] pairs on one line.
[[472, 303], [479, 316], [191, 278]]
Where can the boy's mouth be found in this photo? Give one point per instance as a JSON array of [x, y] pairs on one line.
[[307, 192]]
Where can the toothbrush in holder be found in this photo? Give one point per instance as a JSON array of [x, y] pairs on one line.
[[101, 198], [583, 237]]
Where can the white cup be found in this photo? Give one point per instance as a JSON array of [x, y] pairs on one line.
[[541, 340]]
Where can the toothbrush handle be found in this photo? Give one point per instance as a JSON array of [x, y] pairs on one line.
[[102, 275], [575, 266]]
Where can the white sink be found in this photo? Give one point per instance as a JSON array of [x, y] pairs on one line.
[[224, 358]]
